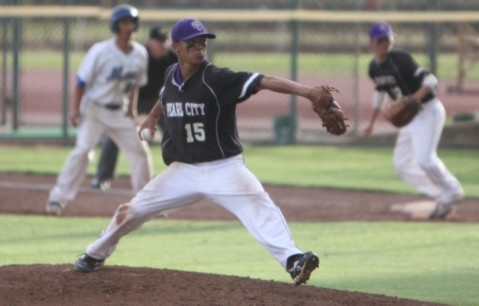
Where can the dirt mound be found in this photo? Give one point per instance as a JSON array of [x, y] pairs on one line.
[[114, 285]]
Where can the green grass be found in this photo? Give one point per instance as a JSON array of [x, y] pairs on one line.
[[364, 168], [324, 64], [425, 261]]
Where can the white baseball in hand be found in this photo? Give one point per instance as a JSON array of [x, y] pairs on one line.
[[146, 134]]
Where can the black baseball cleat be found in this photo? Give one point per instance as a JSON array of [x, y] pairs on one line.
[[99, 184], [441, 211], [54, 208], [87, 264], [300, 267]]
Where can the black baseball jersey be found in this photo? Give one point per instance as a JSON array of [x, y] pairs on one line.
[[200, 113], [399, 75], [148, 94]]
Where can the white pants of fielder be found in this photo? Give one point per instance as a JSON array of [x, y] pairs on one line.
[[96, 120], [227, 183], [415, 154]]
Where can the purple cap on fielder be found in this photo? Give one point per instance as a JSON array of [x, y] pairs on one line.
[[380, 29], [189, 28]]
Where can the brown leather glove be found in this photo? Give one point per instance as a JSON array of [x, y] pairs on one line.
[[328, 109], [401, 111]]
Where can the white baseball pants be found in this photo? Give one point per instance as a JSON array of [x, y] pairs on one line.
[[95, 121], [227, 183], [415, 153]]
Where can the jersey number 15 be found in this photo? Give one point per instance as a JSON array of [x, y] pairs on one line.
[[195, 132]]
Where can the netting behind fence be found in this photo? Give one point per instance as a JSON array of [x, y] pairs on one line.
[[41, 52]]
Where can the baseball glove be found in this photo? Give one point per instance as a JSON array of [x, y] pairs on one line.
[[401, 111], [328, 109]]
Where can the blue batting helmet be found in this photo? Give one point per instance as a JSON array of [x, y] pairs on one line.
[[380, 29], [120, 12]]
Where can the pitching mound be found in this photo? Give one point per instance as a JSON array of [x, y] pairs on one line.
[[114, 285]]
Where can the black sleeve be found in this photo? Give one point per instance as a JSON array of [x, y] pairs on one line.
[[370, 70], [409, 67], [234, 86]]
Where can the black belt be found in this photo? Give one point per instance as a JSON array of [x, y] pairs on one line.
[[110, 106], [427, 98], [113, 106]]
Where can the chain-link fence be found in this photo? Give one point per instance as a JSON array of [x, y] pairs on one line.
[[314, 42]]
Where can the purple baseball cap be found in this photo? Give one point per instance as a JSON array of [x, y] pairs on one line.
[[380, 29], [189, 28]]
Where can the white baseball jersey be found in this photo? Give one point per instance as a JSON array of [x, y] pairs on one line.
[[109, 74]]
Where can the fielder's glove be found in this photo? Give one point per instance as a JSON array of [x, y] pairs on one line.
[[328, 109], [401, 111]]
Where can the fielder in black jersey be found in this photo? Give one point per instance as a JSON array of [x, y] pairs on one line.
[[396, 73], [203, 152]]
